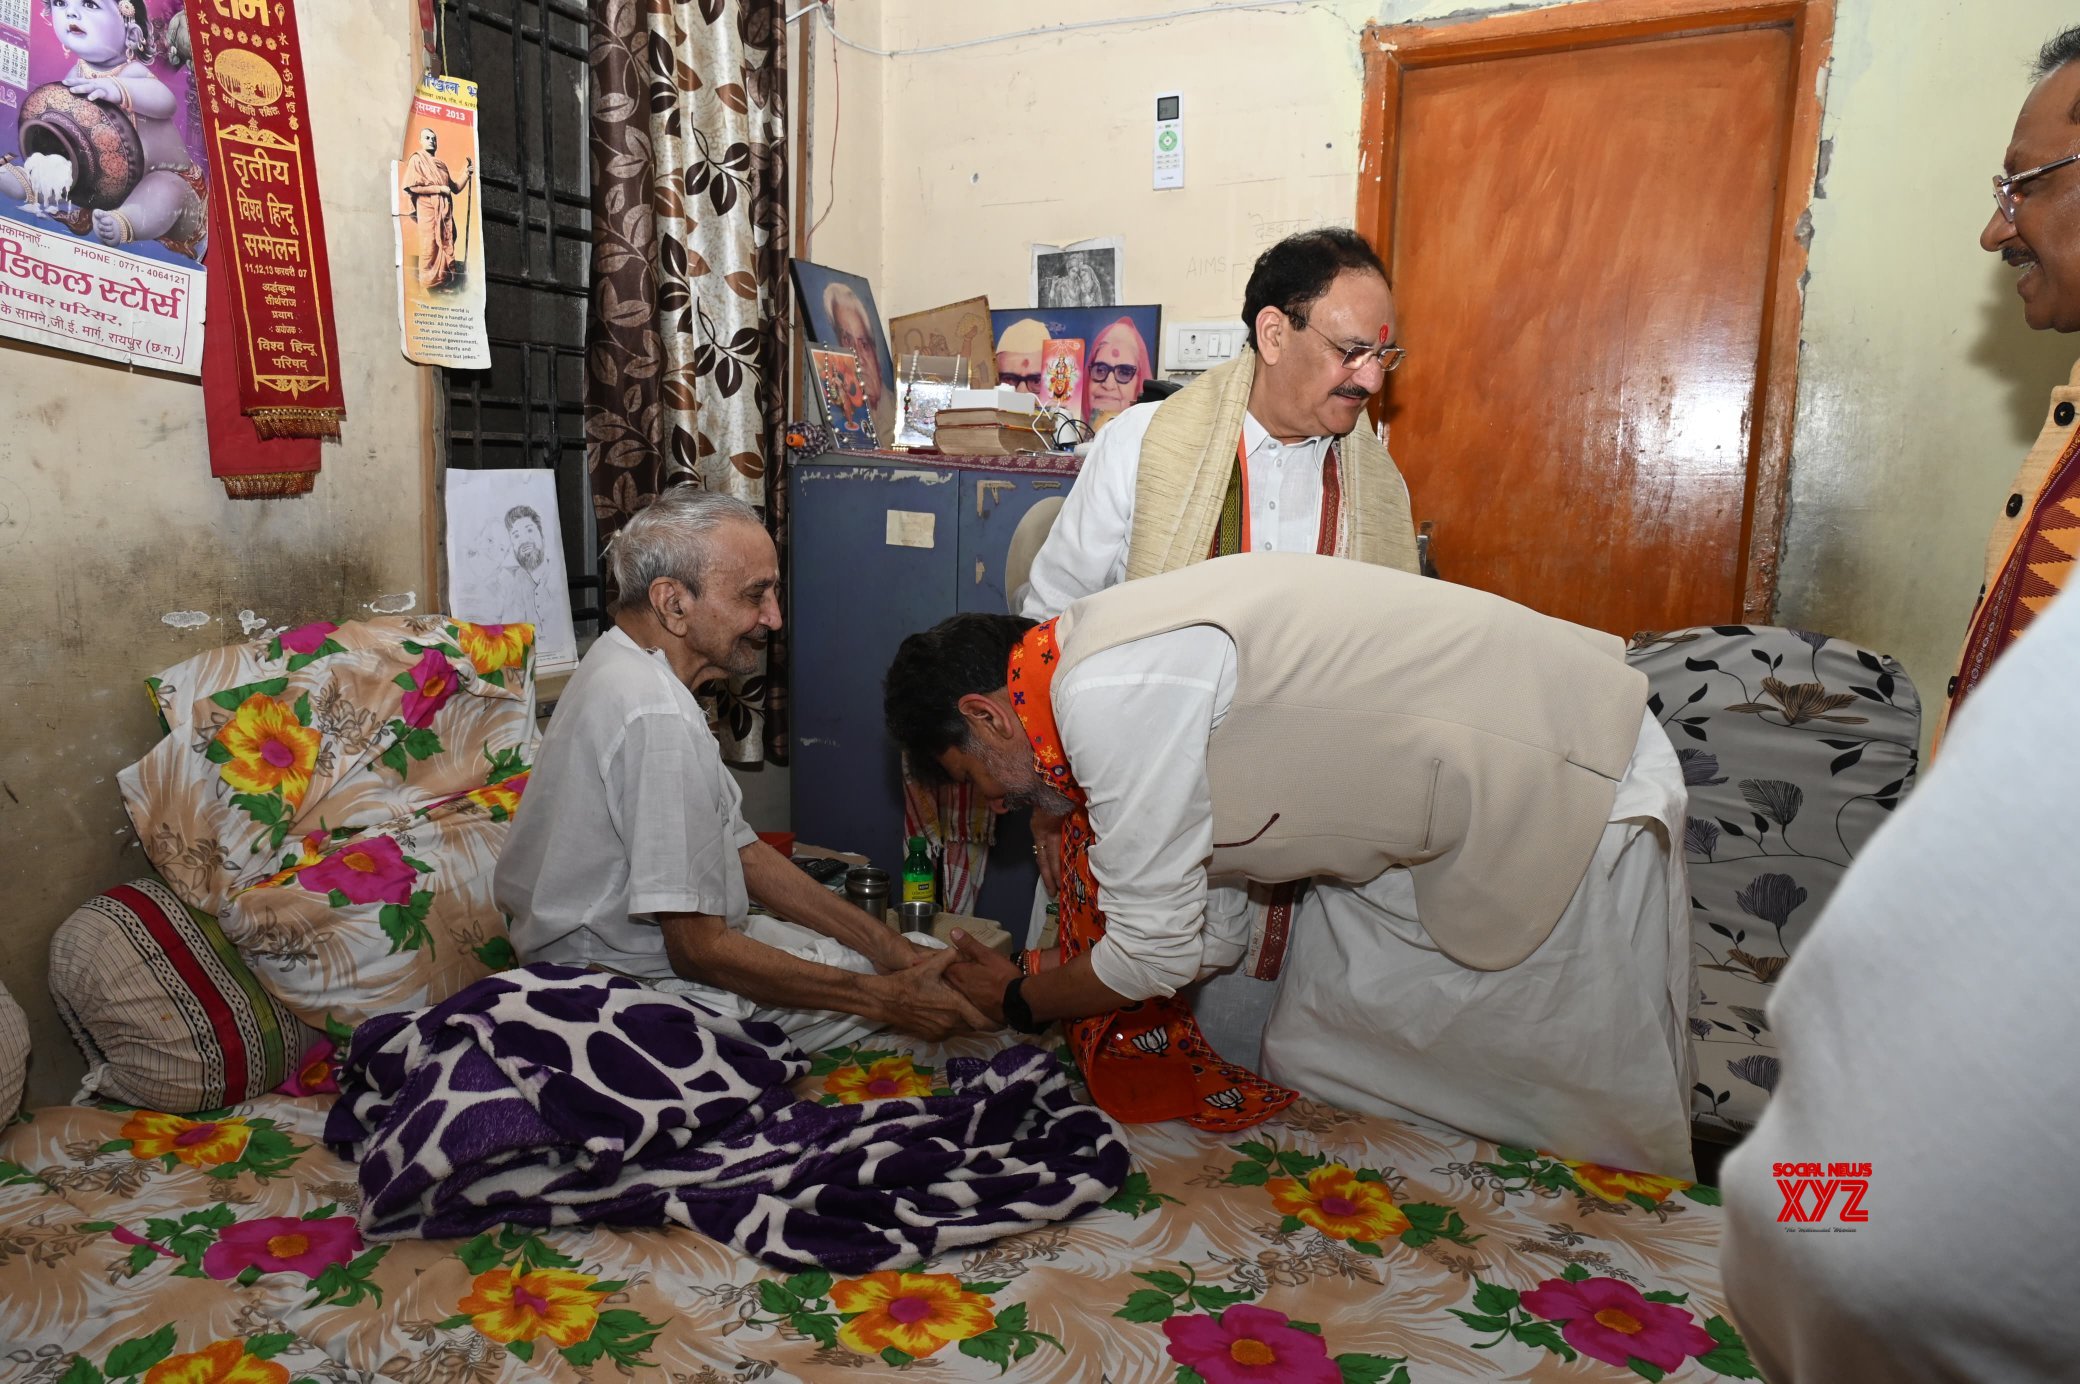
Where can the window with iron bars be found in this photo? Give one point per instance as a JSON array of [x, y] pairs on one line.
[[528, 58]]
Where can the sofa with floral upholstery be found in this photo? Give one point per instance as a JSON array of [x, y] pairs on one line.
[[1796, 747], [323, 813]]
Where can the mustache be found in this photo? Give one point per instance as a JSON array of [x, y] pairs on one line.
[[1351, 391], [2013, 256]]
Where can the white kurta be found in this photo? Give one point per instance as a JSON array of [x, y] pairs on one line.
[[1928, 1029], [1580, 1049], [630, 816], [1086, 550]]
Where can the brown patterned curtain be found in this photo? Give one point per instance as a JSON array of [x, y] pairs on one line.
[[686, 360]]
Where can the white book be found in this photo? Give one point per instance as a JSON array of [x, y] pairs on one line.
[[1002, 397]]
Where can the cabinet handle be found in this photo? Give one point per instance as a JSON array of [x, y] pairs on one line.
[[989, 492]]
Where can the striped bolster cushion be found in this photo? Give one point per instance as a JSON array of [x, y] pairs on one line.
[[14, 1055], [168, 1015]]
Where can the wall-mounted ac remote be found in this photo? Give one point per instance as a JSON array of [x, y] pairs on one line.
[[1169, 152]]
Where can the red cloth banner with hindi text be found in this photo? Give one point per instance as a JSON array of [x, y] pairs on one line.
[[269, 235]]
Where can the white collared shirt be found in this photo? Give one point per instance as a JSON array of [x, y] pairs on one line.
[[629, 816], [1135, 720], [1087, 549]]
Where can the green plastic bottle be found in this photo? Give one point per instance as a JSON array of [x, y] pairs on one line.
[[920, 881]]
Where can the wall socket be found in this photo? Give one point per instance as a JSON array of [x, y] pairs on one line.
[[1190, 347]]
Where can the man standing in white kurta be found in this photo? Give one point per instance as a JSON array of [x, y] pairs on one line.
[[1496, 939], [1265, 453]]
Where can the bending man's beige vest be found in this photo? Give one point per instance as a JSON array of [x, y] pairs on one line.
[[1188, 457], [1382, 720]]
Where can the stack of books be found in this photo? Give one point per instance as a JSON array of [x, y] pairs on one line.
[[987, 432]]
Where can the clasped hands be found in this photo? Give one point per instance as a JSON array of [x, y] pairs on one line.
[[945, 991]]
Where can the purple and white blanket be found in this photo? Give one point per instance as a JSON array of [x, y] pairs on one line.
[[552, 1095]]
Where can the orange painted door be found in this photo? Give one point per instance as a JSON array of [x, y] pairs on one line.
[[1582, 243]]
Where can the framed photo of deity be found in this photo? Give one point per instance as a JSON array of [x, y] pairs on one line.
[[1119, 353], [842, 378], [839, 308], [1061, 376]]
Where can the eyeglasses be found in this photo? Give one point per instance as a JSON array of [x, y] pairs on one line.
[[1106, 370], [1029, 383], [2004, 184], [1387, 357]]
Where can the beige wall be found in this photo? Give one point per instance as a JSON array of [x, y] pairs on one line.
[[109, 520], [1048, 139], [1920, 385], [853, 99]]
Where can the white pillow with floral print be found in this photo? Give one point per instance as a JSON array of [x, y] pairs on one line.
[[326, 729], [395, 918]]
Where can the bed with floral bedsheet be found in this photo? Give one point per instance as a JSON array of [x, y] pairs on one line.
[[1319, 1247]]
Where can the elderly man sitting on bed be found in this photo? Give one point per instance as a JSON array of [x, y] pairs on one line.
[[631, 853], [1496, 932]]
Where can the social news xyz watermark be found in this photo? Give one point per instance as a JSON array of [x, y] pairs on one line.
[[1823, 1198]]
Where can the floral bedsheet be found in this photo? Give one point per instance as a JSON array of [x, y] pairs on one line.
[[1319, 1248]]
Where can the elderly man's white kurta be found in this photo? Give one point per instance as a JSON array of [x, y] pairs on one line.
[[1580, 1049], [629, 817]]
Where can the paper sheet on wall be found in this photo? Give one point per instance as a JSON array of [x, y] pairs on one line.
[[1086, 274], [103, 185], [440, 230], [505, 558], [910, 528]]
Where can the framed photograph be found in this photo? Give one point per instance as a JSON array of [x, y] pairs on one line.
[[922, 400], [839, 308], [958, 329], [1061, 376], [1119, 352], [842, 378]]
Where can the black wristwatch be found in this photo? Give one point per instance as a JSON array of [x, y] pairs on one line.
[[1017, 1013]]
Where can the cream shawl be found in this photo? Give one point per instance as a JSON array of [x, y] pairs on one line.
[[1188, 457]]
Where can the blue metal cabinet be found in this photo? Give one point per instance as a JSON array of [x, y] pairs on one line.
[[884, 546], [991, 506]]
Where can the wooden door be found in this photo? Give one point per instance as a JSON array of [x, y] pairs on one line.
[[1590, 217]]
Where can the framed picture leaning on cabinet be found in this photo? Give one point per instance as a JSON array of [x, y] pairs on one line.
[[841, 378], [839, 308]]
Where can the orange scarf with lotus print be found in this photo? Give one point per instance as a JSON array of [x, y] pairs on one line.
[[2039, 562], [1146, 1061]]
